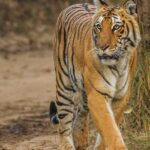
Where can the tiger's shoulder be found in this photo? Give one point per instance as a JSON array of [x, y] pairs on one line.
[[77, 13]]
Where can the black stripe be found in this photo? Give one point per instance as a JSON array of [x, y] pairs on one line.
[[72, 61], [82, 26], [73, 68], [62, 115], [84, 95], [68, 122], [116, 99], [112, 71], [102, 93], [79, 26], [65, 87], [70, 19], [80, 20], [62, 69], [75, 11], [85, 6], [74, 19], [103, 77], [65, 97], [127, 30], [59, 40], [116, 17], [71, 76], [72, 8], [66, 110], [79, 16], [58, 86], [103, 2], [68, 15], [129, 41], [105, 94], [67, 49], [64, 51], [72, 71], [62, 132], [118, 23], [57, 36], [115, 69], [61, 104], [86, 108], [68, 12], [123, 86], [125, 67], [88, 29]]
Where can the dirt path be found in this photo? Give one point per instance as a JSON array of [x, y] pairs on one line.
[[27, 85]]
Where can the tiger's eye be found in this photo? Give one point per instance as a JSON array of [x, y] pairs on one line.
[[116, 27], [98, 26]]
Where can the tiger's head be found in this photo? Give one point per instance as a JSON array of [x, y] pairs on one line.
[[115, 31]]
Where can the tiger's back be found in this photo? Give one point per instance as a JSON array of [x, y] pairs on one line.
[[71, 40], [73, 36]]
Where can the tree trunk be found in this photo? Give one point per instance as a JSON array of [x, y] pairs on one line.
[[141, 84], [144, 20]]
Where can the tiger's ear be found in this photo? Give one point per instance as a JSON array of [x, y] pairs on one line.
[[99, 3], [131, 7]]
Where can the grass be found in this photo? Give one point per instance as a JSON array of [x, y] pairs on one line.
[[138, 143], [136, 125]]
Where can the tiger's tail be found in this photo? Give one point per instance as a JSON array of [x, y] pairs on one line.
[[53, 113]]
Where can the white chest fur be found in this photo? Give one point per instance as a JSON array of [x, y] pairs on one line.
[[118, 78], [122, 80]]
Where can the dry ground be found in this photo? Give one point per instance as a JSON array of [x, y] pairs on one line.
[[27, 84], [26, 88]]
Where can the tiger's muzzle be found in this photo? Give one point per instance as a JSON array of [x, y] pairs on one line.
[[111, 58]]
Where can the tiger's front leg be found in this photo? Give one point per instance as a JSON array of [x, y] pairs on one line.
[[102, 114], [80, 134], [118, 107], [105, 122]]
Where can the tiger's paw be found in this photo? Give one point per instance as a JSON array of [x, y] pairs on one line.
[[81, 139], [80, 133], [66, 143]]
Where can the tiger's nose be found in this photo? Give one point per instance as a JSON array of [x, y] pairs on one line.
[[104, 47]]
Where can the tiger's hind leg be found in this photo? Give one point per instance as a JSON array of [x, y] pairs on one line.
[[65, 106], [80, 129], [65, 110]]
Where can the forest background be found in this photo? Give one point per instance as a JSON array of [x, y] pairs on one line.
[[28, 25]]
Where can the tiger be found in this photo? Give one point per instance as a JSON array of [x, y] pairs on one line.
[[95, 55]]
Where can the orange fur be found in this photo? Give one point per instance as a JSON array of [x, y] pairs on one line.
[[87, 60]]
